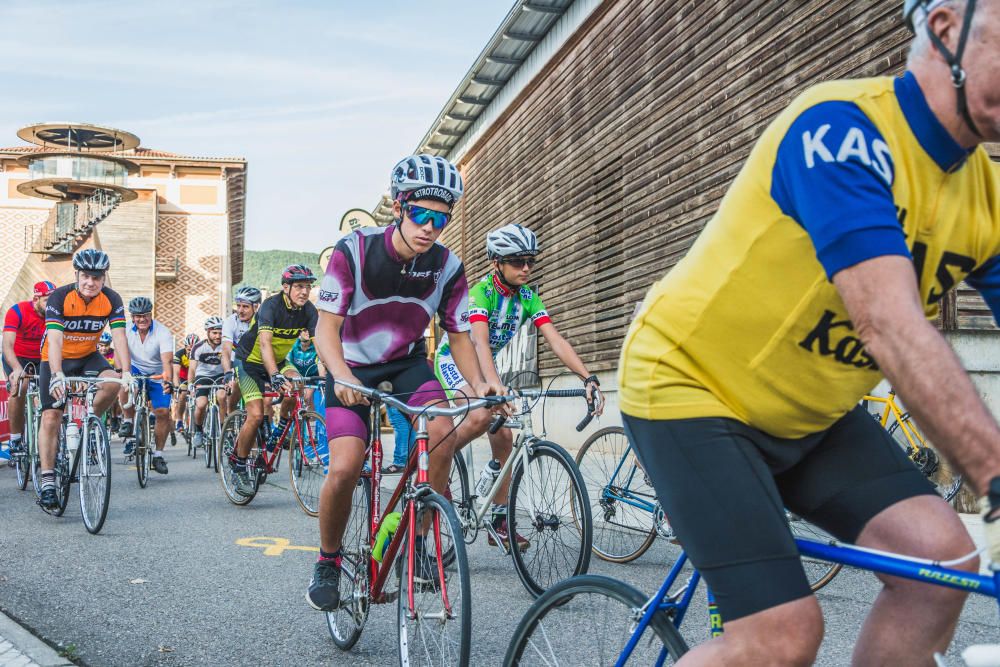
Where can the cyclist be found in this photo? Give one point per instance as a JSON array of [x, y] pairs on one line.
[[23, 328], [206, 363], [380, 291], [303, 356], [858, 208], [151, 347], [181, 365], [499, 305], [75, 315], [273, 330], [247, 301]]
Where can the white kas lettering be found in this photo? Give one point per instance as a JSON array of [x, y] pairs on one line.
[[854, 146]]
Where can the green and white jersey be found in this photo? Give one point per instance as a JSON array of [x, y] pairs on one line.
[[503, 310]]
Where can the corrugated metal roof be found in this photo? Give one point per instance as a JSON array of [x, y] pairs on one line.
[[523, 28]]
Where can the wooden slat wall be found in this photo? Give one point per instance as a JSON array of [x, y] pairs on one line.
[[622, 148]]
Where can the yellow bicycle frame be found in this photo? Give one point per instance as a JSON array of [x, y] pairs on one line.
[[910, 432]]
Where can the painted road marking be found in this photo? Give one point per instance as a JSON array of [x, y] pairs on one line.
[[272, 546]]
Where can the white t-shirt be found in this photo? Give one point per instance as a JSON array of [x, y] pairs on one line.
[[233, 329], [208, 358], [147, 354]]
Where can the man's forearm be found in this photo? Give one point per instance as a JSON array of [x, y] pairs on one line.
[[329, 347], [8, 350], [227, 356], [566, 354], [930, 380], [464, 353]]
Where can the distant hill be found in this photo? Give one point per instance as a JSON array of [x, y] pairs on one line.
[[262, 268]]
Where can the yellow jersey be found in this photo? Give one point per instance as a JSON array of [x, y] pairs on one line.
[[748, 325]]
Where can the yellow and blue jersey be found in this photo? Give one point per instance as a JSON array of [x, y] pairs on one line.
[[749, 325]]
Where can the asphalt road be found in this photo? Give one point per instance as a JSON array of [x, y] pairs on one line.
[[167, 581]]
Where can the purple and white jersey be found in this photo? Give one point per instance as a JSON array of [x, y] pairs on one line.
[[387, 303]]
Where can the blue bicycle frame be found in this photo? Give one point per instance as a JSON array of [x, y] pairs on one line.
[[627, 497], [899, 566]]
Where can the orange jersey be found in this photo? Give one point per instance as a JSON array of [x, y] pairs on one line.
[[81, 323]]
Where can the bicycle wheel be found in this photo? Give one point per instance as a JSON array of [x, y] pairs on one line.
[[36, 469], [225, 448], [458, 494], [209, 434], [818, 572], [346, 623], [436, 629], [543, 497], [599, 609], [621, 497], [22, 466], [306, 469], [946, 480], [65, 470], [95, 476], [143, 451]]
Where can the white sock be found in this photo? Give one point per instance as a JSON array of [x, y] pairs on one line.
[[157, 454]]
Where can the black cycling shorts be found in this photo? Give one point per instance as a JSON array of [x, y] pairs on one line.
[[724, 487], [202, 388], [412, 378], [24, 361], [93, 363]]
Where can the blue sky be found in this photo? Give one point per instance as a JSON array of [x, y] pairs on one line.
[[321, 97]]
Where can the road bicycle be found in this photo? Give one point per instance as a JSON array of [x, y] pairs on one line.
[[83, 454], [212, 426], [547, 500], [434, 616], [308, 468], [23, 462], [624, 626], [144, 424], [946, 480], [627, 517]]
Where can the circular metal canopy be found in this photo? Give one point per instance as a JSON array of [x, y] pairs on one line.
[[81, 137], [67, 190], [131, 167]]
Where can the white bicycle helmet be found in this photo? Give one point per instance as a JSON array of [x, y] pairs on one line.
[[426, 177], [511, 241], [214, 322], [248, 294]]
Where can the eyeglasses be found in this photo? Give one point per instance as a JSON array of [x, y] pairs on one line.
[[421, 216], [521, 262]]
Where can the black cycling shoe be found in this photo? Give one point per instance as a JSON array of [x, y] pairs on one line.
[[48, 498], [244, 485], [160, 465], [125, 430], [324, 587]]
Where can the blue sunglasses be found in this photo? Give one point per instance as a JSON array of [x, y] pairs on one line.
[[421, 216]]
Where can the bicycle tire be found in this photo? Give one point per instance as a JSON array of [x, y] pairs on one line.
[[142, 449], [65, 469], [22, 467], [347, 623], [946, 480], [622, 532], [458, 490], [456, 628], [207, 441], [95, 476], [306, 470], [36, 468], [226, 446], [214, 440], [549, 632], [547, 517], [818, 572]]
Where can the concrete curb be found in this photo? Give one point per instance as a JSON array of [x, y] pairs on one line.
[[28, 645]]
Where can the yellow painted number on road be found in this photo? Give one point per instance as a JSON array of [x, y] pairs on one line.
[[272, 546]]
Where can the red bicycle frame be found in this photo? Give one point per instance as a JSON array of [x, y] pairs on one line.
[[292, 427], [379, 572]]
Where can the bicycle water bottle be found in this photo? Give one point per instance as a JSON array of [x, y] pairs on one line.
[[385, 533], [72, 438], [486, 479]]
